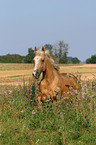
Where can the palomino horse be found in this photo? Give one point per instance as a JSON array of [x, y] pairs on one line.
[[52, 81]]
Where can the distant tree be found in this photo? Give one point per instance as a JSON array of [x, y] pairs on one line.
[[29, 57], [62, 52], [88, 61], [12, 58], [65, 53], [75, 60], [48, 47], [91, 60], [55, 51]]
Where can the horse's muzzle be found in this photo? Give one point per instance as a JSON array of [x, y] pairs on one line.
[[36, 74]]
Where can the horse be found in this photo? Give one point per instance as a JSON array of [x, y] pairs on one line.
[[53, 82]]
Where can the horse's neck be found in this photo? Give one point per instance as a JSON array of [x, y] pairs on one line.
[[50, 71]]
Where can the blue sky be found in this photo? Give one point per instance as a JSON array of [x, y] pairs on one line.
[[26, 23]]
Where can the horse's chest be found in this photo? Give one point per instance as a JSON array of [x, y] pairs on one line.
[[47, 88], [44, 87]]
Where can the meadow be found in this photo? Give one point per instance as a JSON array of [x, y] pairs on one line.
[[23, 122]]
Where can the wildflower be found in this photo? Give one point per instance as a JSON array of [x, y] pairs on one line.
[[68, 92], [33, 112], [89, 104], [75, 91], [48, 96], [70, 88], [21, 111], [9, 91], [43, 98], [0, 134], [58, 111], [30, 94], [57, 89]]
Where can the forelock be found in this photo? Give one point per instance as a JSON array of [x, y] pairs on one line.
[[39, 52]]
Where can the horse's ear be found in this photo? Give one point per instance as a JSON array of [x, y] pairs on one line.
[[35, 49], [43, 49]]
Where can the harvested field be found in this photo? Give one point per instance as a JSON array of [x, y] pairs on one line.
[[88, 71], [12, 74]]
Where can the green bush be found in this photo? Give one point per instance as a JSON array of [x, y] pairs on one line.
[[14, 58]]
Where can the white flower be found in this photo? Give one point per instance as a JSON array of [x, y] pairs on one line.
[[44, 98], [33, 112], [10, 91], [57, 89], [48, 96]]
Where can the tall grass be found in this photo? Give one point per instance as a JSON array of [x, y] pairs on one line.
[[71, 122]]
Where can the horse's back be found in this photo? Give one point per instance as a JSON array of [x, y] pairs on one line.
[[69, 80]]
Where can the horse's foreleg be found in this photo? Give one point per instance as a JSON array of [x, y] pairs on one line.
[[39, 97], [53, 96]]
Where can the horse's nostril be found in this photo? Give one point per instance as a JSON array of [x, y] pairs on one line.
[[37, 72]]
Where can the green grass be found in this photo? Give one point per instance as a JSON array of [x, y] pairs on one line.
[[72, 122], [16, 76]]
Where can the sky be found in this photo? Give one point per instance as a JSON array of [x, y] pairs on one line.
[[30, 23]]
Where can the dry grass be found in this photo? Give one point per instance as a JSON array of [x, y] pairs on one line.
[[12, 74], [88, 71]]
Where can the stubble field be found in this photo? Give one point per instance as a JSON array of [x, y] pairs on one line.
[[12, 74]]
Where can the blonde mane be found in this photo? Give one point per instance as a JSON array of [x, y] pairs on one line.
[[51, 58]]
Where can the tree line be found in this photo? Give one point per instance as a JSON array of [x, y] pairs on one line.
[[14, 58], [59, 50], [91, 60]]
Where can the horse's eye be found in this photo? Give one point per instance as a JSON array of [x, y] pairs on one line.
[[42, 60]]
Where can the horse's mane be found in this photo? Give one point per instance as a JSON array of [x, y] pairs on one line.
[[51, 58]]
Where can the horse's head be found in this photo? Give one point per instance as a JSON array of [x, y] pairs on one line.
[[39, 61]]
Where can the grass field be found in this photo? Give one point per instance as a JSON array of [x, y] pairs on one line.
[[23, 122]]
